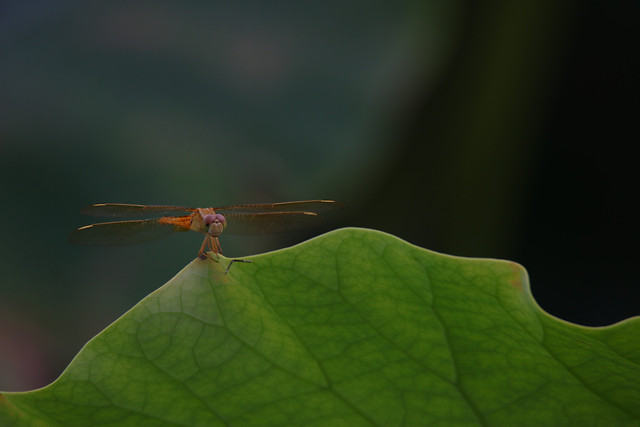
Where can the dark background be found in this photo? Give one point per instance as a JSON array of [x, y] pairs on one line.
[[486, 129]]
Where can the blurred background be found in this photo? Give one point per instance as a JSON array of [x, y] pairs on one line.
[[477, 128]]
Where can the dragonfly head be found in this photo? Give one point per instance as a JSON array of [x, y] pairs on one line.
[[216, 224]]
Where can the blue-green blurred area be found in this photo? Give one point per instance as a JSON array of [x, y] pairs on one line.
[[487, 129]]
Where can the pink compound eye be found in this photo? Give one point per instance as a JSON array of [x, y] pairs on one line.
[[210, 219]]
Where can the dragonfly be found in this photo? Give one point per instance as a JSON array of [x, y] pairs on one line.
[[212, 222]]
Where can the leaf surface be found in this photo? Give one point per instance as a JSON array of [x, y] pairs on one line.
[[355, 327]]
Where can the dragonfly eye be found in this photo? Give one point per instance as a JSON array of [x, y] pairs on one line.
[[222, 219], [208, 219]]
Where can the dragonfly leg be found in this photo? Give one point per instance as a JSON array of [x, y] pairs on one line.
[[215, 245], [206, 244], [212, 242], [236, 260], [201, 253]]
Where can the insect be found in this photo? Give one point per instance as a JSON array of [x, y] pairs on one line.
[[236, 219]]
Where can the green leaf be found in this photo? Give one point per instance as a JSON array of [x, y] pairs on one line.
[[355, 327]]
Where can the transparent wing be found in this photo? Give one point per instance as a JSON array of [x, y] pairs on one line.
[[122, 233], [315, 206], [125, 210], [270, 222]]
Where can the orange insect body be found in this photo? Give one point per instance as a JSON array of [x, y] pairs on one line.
[[182, 223], [194, 222], [236, 219]]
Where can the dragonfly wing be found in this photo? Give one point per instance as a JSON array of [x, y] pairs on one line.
[[270, 222], [316, 206], [125, 210], [122, 233]]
